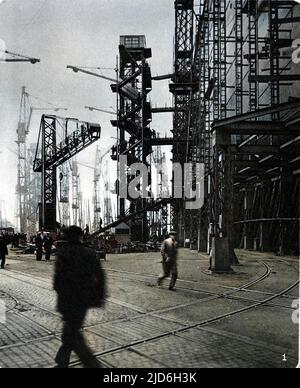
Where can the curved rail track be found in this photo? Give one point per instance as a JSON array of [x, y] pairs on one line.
[[192, 326], [183, 328]]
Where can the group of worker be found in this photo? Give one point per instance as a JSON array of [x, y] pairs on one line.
[[43, 243], [3, 251]]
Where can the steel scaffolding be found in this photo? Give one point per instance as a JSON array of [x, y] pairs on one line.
[[133, 123], [184, 87], [243, 126], [236, 111]]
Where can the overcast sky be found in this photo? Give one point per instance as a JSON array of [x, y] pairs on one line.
[[74, 32]]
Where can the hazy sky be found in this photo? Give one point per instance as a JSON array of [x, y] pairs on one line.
[[74, 32]]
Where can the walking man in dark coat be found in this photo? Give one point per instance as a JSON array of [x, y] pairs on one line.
[[169, 252], [80, 284], [39, 247], [3, 251], [48, 242], [13, 241]]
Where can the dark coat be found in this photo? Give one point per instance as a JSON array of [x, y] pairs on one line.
[[3, 248], [79, 279], [48, 242], [39, 243]]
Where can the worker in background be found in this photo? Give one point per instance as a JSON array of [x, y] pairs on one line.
[[169, 252], [3, 251], [43, 234], [16, 240], [13, 240], [48, 242], [39, 247], [80, 285]]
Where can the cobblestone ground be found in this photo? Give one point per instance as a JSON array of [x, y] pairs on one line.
[[242, 320]]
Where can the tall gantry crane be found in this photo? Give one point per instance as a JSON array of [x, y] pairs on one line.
[[33, 179], [160, 218], [3, 219], [78, 135], [134, 115], [22, 131], [64, 178], [101, 189], [98, 172], [108, 209], [22, 185], [133, 122], [76, 195], [96, 198], [26, 184]]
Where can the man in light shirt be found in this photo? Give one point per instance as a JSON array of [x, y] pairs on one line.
[[169, 252]]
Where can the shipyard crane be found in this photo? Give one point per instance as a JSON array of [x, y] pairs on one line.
[[96, 198], [33, 180], [160, 218], [134, 114], [11, 57], [91, 108], [27, 205], [108, 211], [3, 219], [22, 186], [76, 205], [98, 173], [80, 69], [76, 191], [78, 135], [166, 109], [64, 178]]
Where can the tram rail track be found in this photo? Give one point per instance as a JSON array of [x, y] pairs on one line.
[[10, 297], [200, 324], [183, 327], [215, 295]]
